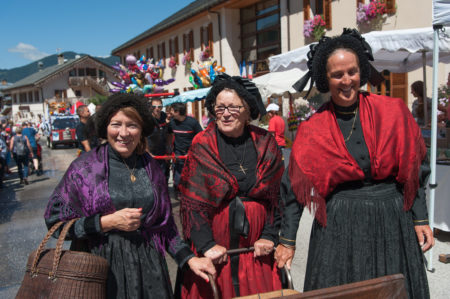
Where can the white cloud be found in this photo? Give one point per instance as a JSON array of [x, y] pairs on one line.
[[29, 52]]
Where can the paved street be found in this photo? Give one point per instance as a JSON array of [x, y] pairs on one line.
[[22, 228]]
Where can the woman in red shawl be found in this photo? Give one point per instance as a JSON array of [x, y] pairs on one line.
[[230, 191], [360, 163]]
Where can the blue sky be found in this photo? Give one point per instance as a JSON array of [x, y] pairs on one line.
[[33, 29]]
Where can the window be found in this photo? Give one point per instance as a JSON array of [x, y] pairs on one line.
[[36, 96], [260, 34], [73, 73], [91, 72], [81, 72], [60, 94], [101, 74], [206, 38], [395, 85], [318, 7], [162, 52], [173, 48], [23, 97], [188, 43], [78, 93], [30, 97]]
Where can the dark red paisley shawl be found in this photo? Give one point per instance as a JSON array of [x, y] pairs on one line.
[[320, 160], [206, 185]]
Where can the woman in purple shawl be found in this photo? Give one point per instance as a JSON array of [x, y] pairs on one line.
[[120, 196]]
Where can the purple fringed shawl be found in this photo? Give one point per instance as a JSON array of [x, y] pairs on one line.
[[83, 192]]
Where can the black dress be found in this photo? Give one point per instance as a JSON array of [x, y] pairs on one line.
[[136, 268], [368, 234]]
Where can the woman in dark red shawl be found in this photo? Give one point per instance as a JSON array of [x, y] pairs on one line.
[[229, 194], [359, 163]]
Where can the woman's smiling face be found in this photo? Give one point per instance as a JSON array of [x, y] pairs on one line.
[[123, 134], [343, 76]]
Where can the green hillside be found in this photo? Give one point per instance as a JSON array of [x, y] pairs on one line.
[[18, 73]]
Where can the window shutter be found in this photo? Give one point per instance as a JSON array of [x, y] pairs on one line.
[[390, 6], [210, 39], [170, 47], [202, 42], [327, 13], [399, 86], [359, 1], [176, 49], [184, 44], [163, 51], [306, 10], [191, 44], [151, 53]]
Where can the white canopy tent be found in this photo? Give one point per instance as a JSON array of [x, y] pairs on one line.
[[398, 51], [277, 83], [441, 18]]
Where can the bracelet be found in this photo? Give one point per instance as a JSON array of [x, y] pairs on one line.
[[420, 220], [289, 240]]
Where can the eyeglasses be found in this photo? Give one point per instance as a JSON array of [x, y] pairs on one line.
[[157, 106], [236, 110]]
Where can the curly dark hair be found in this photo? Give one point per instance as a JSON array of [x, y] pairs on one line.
[[119, 101], [326, 48], [245, 89]]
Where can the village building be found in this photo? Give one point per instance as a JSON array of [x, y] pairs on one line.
[[250, 31], [61, 85]]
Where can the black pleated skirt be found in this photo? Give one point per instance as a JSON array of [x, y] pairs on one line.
[[368, 235], [136, 269]]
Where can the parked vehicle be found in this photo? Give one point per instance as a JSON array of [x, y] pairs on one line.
[[60, 129]]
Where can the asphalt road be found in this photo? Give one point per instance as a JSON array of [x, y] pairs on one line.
[[22, 228]]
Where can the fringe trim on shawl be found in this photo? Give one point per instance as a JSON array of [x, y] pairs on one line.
[[306, 195]]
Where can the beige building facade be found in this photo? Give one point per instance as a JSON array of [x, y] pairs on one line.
[[253, 30]]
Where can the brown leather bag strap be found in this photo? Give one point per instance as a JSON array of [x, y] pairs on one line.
[[59, 245], [42, 246]]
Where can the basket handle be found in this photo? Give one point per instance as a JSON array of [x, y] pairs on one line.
[[58, 250]]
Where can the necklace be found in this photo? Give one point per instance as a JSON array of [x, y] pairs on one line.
[[353, 125], [242, 160], [132, 176]]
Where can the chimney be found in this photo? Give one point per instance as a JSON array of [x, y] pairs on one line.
[[40, 66], [60, 58]]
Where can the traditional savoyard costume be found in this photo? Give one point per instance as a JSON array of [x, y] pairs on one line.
[[99, 183], [230, 193], [361, 169]]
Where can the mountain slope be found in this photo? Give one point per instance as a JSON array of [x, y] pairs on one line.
[[18, 73]]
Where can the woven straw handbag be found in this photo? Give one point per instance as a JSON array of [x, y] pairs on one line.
[[57, 273]]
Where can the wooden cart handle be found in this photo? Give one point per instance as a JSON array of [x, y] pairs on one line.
[[245, 250]]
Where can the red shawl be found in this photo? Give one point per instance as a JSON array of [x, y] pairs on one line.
[[206, 184], [320, 160]]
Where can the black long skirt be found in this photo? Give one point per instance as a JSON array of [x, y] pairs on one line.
[[368, 235], [136, 269]]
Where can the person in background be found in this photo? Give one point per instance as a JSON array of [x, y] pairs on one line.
[[418, 109], [6, 135], [3, 151], [120, 196], [21, 148], [276, 125], [84, 143], [360, 163], [184, 128], [33, 136], [160, 140]]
